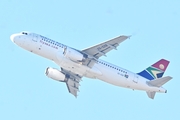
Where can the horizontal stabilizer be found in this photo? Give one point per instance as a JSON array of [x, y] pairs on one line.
[[151, 94], [159, 81]]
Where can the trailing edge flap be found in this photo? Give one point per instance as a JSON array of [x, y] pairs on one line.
[[159, 81], [72, 82], [151, 94]]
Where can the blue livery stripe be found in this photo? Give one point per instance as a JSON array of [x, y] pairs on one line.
[[145, 74], [159, 75]]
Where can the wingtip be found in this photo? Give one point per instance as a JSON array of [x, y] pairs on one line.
[[129, 36], [170, 77], [76, 96], [126, 36]]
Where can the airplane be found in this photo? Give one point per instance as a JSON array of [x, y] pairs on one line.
[[76, 64]]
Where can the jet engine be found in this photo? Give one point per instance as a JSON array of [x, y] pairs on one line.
[[55, 74], [74, 55]]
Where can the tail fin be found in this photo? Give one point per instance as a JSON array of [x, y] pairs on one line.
[[156, 70]]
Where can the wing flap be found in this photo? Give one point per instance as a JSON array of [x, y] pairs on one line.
[[73, 86], [72, 90], [72, 82]]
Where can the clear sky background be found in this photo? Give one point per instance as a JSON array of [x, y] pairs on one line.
[[27, 94]]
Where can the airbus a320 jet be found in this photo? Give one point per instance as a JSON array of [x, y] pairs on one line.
[[75, 64]]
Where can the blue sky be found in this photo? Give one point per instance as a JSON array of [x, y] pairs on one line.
[[26, 93]]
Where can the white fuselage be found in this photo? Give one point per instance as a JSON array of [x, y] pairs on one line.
[[102, 70]]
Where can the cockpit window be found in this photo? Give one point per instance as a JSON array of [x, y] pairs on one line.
[[24, 33]]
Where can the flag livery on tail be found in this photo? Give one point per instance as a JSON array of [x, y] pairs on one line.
[[156, 70], [154, 74]]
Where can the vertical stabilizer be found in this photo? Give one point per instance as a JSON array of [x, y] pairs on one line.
[[156, 70]]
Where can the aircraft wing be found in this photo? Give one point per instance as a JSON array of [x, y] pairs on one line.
[[72, 82], [103, 48]]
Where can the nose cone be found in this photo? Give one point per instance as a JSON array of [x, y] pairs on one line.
[[13, 37]]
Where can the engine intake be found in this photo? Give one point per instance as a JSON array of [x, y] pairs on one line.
[[55, 74], [74, 55]]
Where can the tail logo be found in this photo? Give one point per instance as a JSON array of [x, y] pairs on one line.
[[156, 73], [161, 66], [156, 70]]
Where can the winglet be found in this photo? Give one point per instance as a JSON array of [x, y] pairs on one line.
[[129, 36]]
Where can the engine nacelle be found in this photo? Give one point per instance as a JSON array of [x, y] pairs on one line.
[[74, 55], [55, 74]]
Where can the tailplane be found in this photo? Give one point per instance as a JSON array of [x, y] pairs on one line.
[[157, 83], [155, 71]]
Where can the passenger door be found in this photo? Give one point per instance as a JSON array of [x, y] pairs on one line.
[[36, 45], [35, 38], [135, 78]]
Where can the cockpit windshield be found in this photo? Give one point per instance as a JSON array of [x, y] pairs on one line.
[[25, 33]]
